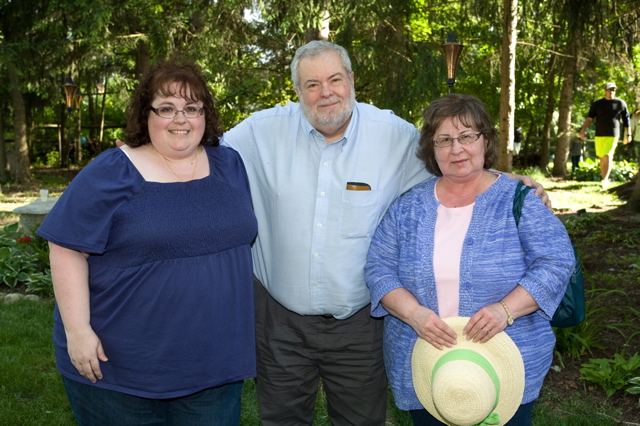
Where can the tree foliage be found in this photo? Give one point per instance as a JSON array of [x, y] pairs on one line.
[[565, 51]]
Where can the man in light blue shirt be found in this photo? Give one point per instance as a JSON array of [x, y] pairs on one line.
[[314, 235], [322, 173]]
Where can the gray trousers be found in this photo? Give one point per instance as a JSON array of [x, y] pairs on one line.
[[295, 351]]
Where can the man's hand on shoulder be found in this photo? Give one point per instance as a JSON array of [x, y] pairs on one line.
[[119, 143], [539, 189]]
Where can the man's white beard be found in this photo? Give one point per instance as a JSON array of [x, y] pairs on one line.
[[331, 119]]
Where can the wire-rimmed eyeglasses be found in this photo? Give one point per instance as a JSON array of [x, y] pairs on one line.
[[465, 139], [171, 112]]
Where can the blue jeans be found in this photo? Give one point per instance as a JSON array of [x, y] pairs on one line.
[[93, 406], [522, 417]]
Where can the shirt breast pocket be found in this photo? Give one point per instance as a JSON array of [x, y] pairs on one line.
[[360, 211]]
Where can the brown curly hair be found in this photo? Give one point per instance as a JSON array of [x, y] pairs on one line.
[[471, 112], [158, 80]]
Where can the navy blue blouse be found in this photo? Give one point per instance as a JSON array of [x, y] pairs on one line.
[[170, 274]]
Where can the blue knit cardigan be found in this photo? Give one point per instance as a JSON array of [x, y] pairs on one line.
[[496, 256]]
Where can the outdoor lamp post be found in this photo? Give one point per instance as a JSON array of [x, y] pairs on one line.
[[69, 93], [451, 50]]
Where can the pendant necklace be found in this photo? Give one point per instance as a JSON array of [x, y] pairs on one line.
[[195, 167]]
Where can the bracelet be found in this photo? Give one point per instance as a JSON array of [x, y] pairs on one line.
[[509, 317]]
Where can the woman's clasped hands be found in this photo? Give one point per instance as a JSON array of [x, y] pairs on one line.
[[428, 325], [486, 323], [482, 326]]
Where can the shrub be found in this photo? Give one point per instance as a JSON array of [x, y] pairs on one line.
[[634, 389], [589, 171], [53, 159], [583, 338], [24, 261], [611, 374]]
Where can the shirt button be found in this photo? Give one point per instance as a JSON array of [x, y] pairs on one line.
[[325, 164], [316, 255], [315, 309], [322, 194], [315, 283], [319, 225]]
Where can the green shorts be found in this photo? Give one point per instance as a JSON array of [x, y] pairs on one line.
[[605, 145]]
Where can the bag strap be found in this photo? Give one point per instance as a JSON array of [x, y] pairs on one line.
[[518, 201]]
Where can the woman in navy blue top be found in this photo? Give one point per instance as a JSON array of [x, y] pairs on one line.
[[151, 266]]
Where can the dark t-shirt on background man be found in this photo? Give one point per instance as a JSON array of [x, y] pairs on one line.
[[607, 114]]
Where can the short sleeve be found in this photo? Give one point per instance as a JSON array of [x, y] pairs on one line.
[[593, 109], [81, 219], [228, 166]]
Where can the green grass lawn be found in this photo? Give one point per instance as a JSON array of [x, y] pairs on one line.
[[31, 392]]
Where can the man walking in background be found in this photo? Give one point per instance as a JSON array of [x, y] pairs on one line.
[[607, 112]]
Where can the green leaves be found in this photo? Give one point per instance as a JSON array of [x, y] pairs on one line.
[[611, 374], [635, 386], [24, 263]]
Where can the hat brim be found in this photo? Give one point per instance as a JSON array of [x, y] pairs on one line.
[[500, 351]]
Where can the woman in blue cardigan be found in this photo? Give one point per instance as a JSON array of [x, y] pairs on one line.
[[450, 247]]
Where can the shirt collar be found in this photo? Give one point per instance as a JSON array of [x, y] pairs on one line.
[[349, 132]]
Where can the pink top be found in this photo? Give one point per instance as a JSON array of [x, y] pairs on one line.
[[451, 228]]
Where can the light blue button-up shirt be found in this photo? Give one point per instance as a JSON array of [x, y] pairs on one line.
[[313, 233]]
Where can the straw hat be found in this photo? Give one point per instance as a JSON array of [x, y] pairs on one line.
[[467, 383]]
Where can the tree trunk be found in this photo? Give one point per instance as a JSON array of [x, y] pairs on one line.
[[507, 85], [91, 102], [103, 108], [78, 140], [143, 58], [23, 171], [31, 131], [61, 134], [564, 111], [548, 115], [4, 176], [66, 138], [322, 33]]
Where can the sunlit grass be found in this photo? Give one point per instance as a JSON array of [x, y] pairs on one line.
[[573, 195]]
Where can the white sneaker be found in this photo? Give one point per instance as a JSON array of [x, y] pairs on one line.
[[605, 184]]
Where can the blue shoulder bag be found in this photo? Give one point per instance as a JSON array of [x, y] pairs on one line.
[[571, 311]]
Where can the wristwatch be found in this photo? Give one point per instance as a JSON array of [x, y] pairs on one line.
[[509, 317]]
